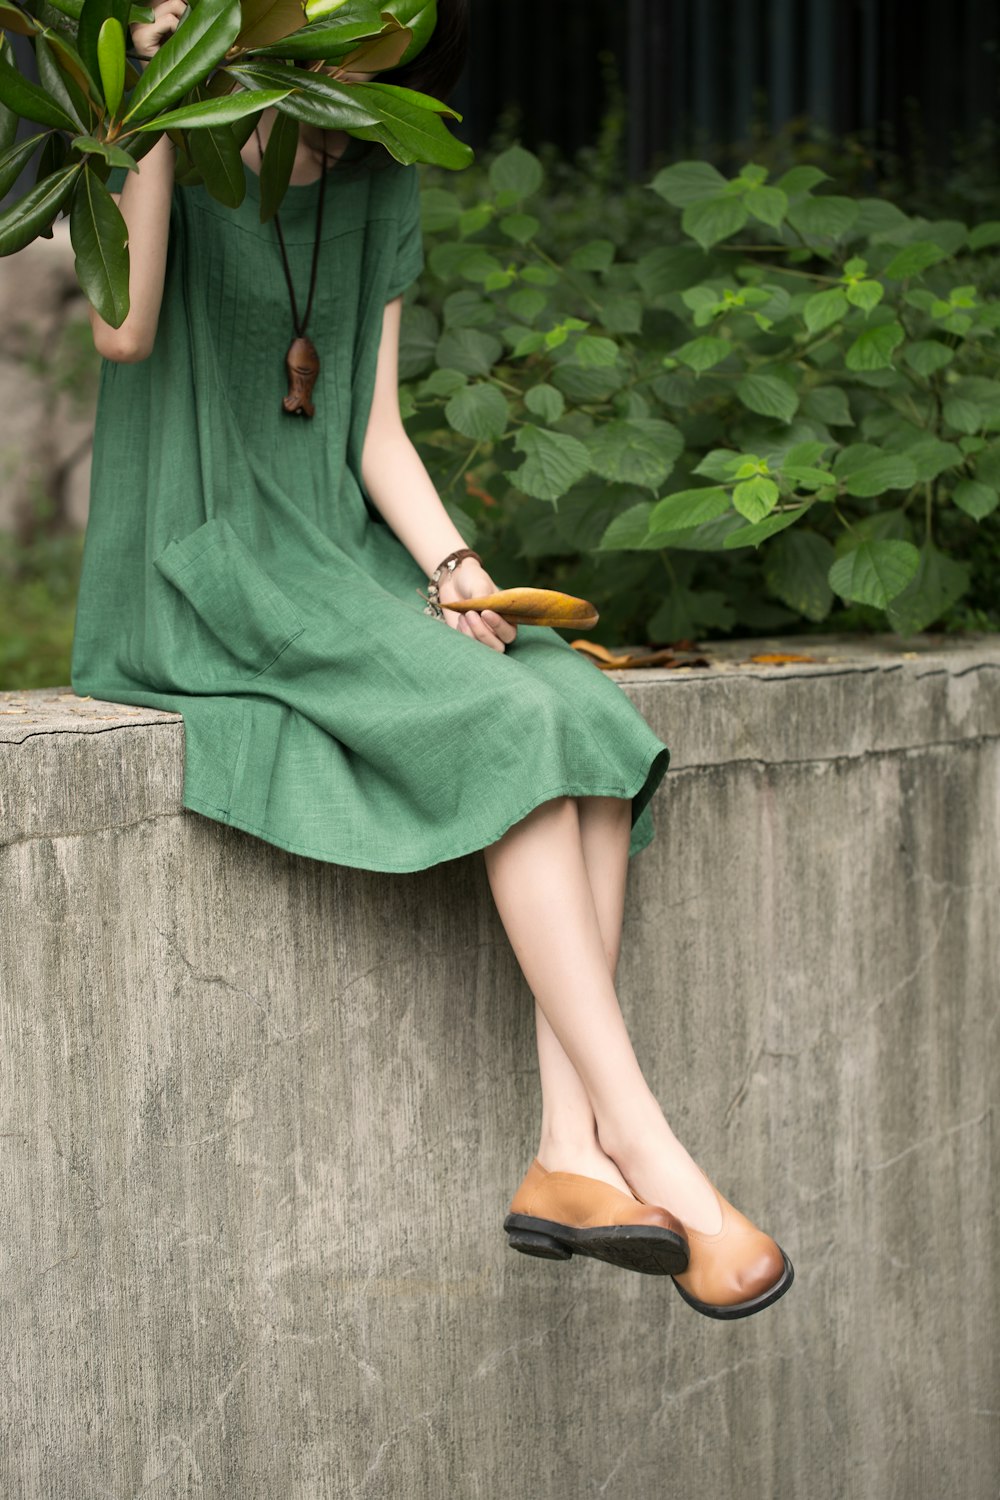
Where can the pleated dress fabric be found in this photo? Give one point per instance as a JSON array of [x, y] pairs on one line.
[[236, 571]]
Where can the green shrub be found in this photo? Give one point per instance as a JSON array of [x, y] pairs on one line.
[[792, 429]]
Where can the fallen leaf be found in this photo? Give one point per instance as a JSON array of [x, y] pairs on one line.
[[775, 658]]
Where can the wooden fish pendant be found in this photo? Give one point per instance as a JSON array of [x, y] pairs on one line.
[[302, 364]]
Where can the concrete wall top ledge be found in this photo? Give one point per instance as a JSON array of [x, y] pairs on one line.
[[70, 765]]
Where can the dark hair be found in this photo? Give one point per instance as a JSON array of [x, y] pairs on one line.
[[435, 70]]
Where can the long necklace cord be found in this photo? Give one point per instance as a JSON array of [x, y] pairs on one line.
[[300, 328]]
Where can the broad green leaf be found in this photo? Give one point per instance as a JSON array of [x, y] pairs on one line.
[[928, 355], [595, 255], [828, 404], [825, 309], [595, 353], [753, 536], [913, 259], [63, 90], [769, 395], [890, 472], [31, 102], [720, 463], [769, 204], [113, 155], [976, 499], [755, 498], [545, 402], [640, 451], [688, 508], [806, 477], [985, 235], [526, 304], [796, 566], [873, 349], [865, 294], [471, 350], [938, 583], [479, 412], [702, 354], [516, 171], [519, 227], [187, 57], [964, 416], [823, 218], [874, 572], [801, 180], [222, 111], [216, 154], [99, 236], [710, 220], [930, 457], [628, 531], [688, 182], [553, 462], [31, 215], [670, 268]]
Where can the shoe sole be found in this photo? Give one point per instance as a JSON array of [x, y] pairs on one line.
[[744, 1309], [633, 1247]]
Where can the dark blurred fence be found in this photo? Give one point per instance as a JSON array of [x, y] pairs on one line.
[[698, 73]]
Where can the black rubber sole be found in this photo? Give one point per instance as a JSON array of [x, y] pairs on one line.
[[633, 1247], [744, 1309]]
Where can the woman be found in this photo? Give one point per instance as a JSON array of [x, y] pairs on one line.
[[260, 571]]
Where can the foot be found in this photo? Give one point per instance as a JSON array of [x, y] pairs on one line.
[[586, 1159], [658, 1169]]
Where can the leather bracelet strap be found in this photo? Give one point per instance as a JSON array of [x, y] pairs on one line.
[[447, 564]]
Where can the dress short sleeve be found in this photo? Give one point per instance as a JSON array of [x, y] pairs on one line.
[[410, 241]]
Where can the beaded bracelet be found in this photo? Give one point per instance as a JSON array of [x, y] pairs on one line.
[[447, 564]]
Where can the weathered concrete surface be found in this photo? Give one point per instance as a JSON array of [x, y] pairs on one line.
[[261, 1117]]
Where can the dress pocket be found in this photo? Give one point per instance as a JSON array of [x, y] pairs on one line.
[[223, 582]]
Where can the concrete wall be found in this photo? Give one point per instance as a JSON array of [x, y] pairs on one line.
[[261, 1117]]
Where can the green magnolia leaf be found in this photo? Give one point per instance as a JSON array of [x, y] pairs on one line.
[[216, 154], [640, 451], [768, 395], [31, 215], [265, 22], [224, 111], [938, 582], [111, 62], [913, 259], [14, 161], [976, 499], [688, 508], [275, 166], [113, 155], [99, 236], [753, 536], [31, 102], [755, 498], [471, 350], [688, 182], [545, 402], [186, 58], [889, 472], [479, 412], [874, 572], [702, 354], [927, 356], [873, 349], [516, 171], [710, 220], [823, 218], [796, 568], [554, 461], [828, 404], [63, 89], [825, 309]]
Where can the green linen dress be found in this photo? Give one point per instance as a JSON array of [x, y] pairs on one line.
[[236, 571]]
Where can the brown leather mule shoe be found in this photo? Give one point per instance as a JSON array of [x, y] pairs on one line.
[[735, 1272], [560, 1214]]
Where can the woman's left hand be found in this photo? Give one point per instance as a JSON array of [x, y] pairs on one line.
[[469, 581]]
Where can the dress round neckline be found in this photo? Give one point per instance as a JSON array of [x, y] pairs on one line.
[[303, 187]]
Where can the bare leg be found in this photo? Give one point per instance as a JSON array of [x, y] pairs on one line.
[[568, 1139], [540, 883]]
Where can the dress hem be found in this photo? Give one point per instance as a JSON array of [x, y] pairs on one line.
[[219, 815]]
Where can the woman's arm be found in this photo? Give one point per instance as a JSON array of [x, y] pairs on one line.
[[144, 202], [402, 491]]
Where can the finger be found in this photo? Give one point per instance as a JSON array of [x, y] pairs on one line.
[[499, 626], [481, 631]]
